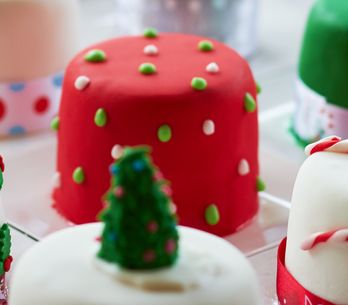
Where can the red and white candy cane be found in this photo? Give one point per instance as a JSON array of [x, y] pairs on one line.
[[329, 144], [334, 236]]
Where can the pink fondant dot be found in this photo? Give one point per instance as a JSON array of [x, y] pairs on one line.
[[167, 190], [2, 109], [149, 256], [170, 246], [41, 105], [152, 227], [119, 191], [158, 176]]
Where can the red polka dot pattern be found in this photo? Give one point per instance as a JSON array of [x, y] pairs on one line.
[[42, 105], [2, 109]]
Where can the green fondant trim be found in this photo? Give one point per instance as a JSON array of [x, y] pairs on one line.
[[212, 215], [258, 88], [150, 33], [164, 133], [100, 118], [79, 175], [249, 103], [260, 184], [199, 83], [95, 56], [55, 124], [206, 46], [147, 68]]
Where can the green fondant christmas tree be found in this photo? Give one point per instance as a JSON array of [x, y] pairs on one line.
[[140, 230]]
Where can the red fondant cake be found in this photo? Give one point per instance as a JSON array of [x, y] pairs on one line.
[[192, 100]]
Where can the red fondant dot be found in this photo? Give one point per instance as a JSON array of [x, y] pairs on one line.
[[2, 109], [42, 104]]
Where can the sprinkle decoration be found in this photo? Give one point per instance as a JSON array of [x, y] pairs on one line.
[[260, 185], [82, 82], [100, 118], [212, 68], [249, 103], [119, 192], [199, 83], [208, 127], [164, 133], [243, 167], [78, 175], [117, 151], [114, 169], [152, 227], [138, 165], [166, 189], [56, 180], [205, 46], [212, 215], [151, 50], [170, 246], [95, 56], [55, 124], [334, 236], [149, 256], [147, 68], [150, 33]]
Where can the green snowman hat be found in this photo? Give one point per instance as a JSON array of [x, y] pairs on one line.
[[324, 57]]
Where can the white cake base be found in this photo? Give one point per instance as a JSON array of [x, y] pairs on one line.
[[63, 269], [320, 204]]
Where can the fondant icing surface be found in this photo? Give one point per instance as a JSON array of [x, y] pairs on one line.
[[167, 109]]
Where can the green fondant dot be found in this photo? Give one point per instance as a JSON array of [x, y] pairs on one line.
[[249, 103], [258, 88], [199, 83], [147, 68], [79, 175], [212, 215], [95, 56], [260, 184], [55, 123], [206, 46], [164, 133], [150, 33], [100, 118]]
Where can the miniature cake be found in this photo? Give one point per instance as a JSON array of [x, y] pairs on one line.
[[322, 95], [136, 256], [192, 100], [37, 39], [312, 262]]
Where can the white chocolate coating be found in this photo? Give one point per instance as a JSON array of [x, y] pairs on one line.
[[62, 269], [37, 37], [320, 204]]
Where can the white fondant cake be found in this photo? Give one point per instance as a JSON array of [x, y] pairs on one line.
[[63, 269], [317, 247]]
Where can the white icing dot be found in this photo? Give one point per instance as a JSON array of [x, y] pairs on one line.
[[151, 50], [213, 68], [56, 180], [195, 6], [117, 151], [208, 127], [284, 301], [243, 167], [82, 82]]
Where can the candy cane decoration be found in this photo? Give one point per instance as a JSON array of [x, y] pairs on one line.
[[335, 236], [329, 144]]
